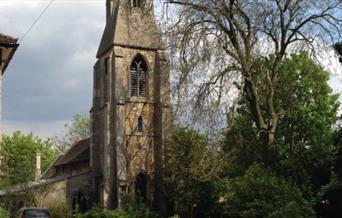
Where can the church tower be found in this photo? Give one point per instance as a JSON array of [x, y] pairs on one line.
[[131, 114]]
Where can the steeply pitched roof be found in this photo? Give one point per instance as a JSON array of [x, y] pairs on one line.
[[7, 39], [74, 153], [128, 27], [10, 44], [108, 34]]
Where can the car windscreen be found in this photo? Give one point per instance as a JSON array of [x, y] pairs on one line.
[[36, 213]]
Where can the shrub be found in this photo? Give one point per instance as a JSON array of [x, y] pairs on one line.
[[132, 208], [115, 214], [96, 213], [260, 193], [3, 213], [60, 210]]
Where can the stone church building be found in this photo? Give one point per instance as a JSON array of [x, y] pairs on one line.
[[130, 116], [130, 113]]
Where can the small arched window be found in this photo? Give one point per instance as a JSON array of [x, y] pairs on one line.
[[140, 124], [137, 3], [138, 77]]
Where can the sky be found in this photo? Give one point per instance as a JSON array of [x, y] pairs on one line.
[[51, 75]]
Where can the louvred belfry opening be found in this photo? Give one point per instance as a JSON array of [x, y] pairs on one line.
[[138, 77], [137, 3]]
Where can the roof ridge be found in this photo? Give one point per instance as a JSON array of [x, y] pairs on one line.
[[7, 39]]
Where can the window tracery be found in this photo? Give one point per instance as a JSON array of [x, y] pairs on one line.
[[138, 77]]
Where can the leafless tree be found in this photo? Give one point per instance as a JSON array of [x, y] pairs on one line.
[[218, 43]]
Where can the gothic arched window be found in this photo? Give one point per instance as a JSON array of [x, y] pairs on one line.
[[140, 124], [138, 77], [137, 3]]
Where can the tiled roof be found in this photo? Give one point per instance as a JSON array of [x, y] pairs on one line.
[[7, 39], [73, 154]]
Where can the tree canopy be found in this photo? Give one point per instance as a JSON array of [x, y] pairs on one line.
[[77, 129], [304, 147], [219, 42], [296, 170], [261, 193], [190, 167], [18, 152]]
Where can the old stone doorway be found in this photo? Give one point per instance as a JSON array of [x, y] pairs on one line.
[[141, 182]]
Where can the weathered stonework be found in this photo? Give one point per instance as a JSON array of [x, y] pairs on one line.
[[64, 189], [122, 156]]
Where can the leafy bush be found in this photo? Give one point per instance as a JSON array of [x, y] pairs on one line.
[[132, 208], [60, 210], [3, 213], [260, 193], [18, 152], [330, 199], [191, 167], [96, 213], [136, 208]]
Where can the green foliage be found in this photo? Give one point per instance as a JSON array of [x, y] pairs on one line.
[[18, 153], [191, 166], [304, 150], [337, 141], [241, 144], [133, 208], [3, 213], [330, 196], [330, 199], [103, 214], [304, 134], [60, 210], [305, 131], [308, 101], [77, 129], [260, 193]]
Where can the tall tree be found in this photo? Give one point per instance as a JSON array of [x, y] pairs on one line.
[[331, 194], [305, 150], [18, 152], [220, 39], [307, 125], [306, 130], [191, 166]]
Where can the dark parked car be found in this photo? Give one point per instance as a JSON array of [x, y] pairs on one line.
[[29, 212]]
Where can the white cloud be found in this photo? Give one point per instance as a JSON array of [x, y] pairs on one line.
[[50, 76], [43, 129]]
